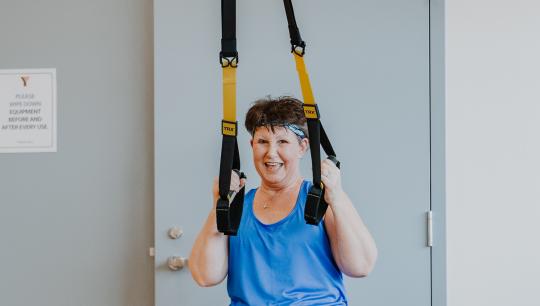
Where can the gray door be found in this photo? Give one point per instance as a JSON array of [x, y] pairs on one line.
[[369, 65]]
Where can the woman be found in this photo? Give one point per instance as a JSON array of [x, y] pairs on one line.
[[277, 259]]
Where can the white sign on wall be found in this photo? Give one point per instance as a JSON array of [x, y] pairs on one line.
[[28, 110]]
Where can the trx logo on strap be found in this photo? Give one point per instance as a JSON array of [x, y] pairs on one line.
[[311, 111], [229, 128]]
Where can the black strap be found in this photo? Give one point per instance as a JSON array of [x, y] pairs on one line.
[[225, 167], [230, 160], [327, 147], [228, 30], [315, 149], [229, 213], [297, 44], [315, 204]]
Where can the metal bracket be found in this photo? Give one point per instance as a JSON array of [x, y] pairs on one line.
[[429, 228]]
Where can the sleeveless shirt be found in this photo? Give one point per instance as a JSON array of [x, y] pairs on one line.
[[285, 263]]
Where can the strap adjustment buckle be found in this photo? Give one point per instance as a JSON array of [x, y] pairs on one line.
[[299, 48], [228, 59]]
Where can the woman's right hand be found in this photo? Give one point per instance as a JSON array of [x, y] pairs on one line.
[[236, 184]]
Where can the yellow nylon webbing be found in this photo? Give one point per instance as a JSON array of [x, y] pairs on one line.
[[229, 94], [307, 93]]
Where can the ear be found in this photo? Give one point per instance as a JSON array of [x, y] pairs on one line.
[[304, 146]]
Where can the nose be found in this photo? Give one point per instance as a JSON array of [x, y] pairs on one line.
[[272, 150]]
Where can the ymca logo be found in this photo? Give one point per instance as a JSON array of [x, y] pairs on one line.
[[25, 79]]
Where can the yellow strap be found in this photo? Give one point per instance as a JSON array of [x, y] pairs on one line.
[[229, 94], [307, 93]]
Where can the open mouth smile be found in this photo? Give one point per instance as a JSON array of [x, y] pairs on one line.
[[273, 165]]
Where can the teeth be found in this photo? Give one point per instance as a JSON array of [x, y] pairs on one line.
[[272, 164]]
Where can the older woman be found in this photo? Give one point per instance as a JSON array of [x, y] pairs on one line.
[[277, 259]]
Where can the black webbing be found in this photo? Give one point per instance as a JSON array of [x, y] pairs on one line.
[[315, 149], [315, 204], [318, 138], [230, 160], [229, 213], [326, 145], [294, 32], [228, 28]]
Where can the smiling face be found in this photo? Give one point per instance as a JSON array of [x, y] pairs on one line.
[[277, 154]]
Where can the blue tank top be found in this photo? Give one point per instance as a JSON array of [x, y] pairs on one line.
[[284, 263]]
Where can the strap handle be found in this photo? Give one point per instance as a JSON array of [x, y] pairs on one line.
[[315, 205], [229, 212]]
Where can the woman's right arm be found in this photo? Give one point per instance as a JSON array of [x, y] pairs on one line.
[[208, 261]]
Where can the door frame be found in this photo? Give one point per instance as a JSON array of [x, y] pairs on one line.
[[437, 150]]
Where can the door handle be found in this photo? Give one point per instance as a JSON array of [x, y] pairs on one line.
[[176, 263], [175, 232]]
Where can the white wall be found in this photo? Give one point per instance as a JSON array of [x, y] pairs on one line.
[[493, 152]]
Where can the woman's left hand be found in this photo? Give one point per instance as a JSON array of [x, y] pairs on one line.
[[331, 178]]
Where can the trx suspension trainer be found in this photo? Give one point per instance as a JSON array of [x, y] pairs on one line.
[[229, 212]]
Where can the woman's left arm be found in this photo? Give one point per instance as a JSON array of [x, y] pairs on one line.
[[352, 245]]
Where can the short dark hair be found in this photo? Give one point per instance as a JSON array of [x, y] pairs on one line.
[[271, 112]]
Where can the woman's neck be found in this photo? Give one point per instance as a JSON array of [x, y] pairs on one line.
[[281, 187]]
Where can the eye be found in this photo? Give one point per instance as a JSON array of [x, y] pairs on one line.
[[283, 141], [261, 141]]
